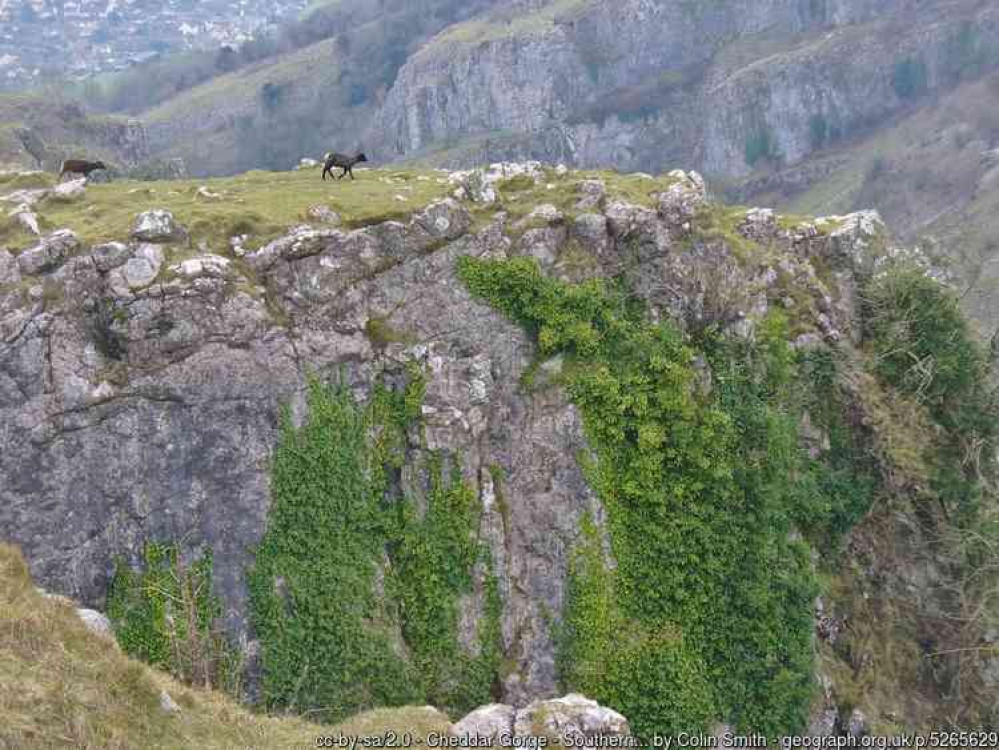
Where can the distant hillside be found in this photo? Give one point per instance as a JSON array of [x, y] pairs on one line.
[[316, 90], [38, 132]]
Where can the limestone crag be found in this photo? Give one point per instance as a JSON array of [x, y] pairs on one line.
[[140, 390]]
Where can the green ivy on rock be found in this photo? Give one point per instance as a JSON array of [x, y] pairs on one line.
[[710, 588], [355, 595], [165, 614]]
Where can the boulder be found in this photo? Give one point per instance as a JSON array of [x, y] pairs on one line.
[[573, 716], [488, 721], [546, 212], [142, 268], [205, 194], [679, 203], [97, 623], [51, 253], [444, 219], [27, 219], [110, 255], [479, 185], [158, 225], [760, 224], [203, 265], [168, 704], [29, 196], [593, 192], [70, 190], [323, 214]]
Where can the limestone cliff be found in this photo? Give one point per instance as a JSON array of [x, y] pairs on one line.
[[641, 85], [142, 383]]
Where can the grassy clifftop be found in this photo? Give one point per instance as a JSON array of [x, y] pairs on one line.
[[264, 205], [63, 686]]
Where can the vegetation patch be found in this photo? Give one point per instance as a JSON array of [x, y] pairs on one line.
[[166, 615], [433, 561], [354, 594], [709, 588], [922, 345], [11, 181]]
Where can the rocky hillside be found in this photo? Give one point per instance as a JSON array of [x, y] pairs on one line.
[[719, 86], [454, 438], [38, 132]]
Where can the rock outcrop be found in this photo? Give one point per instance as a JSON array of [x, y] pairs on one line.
[[572, 719], [141, 393]]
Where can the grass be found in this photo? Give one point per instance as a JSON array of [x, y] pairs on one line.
[[61, 686], [265, 205], [504, 24], [14, 180], [309, 63], [261, 204]]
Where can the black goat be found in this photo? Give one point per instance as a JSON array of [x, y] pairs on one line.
[[79, 166], [346, 163]]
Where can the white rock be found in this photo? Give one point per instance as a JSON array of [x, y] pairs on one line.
[[488, 721], [27, 219], [561, 170], [168, 704], [681, 201], [546, 212], [28, 196], [158, 225], [205, 194], [97, 623], [50, 253], [573, 716], [70, 190], [324, 214], [202, 265], [142, 268]]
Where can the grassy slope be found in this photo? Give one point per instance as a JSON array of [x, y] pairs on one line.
[[240, 88], [61, 686], [504, 23]]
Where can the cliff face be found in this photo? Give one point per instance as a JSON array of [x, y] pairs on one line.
[[719, 86], [142, 383]]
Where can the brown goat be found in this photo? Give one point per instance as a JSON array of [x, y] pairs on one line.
[[79, 166]]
